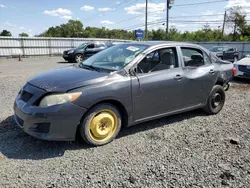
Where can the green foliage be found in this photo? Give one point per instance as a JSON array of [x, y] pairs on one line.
[[6, 33], [23, 35]]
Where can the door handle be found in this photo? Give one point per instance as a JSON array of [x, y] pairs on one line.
[[211, 71], [178, 77]]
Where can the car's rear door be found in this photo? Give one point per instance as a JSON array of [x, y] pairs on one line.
[[200, 73], [99, 47], [156, 88]]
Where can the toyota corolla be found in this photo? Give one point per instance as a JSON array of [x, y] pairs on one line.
[[122, 86]]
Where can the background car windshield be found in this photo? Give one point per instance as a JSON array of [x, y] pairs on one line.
[[116, 57], [217, 49], [82, 46]]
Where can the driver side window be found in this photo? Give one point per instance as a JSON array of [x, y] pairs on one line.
[[158, 60]]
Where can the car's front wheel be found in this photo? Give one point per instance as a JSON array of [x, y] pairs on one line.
[[79, 58], [216, 100], [101, 125]]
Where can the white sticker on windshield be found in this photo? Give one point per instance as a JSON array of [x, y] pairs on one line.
[[132, 48]]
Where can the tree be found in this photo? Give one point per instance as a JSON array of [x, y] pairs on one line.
[[23, 35], [6, 33], [236, 19]]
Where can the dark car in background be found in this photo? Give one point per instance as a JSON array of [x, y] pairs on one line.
[[226, 53], [84, 51]]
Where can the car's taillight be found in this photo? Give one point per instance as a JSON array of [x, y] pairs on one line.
[[234, 70]]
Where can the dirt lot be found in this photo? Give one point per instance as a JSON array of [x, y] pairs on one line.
[[187, 150]]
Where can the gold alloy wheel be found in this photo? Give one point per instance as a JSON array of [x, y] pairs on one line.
[[103, 125]]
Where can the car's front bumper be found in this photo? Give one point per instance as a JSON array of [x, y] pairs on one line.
[[241, 74], [57, 122], [68, 57]]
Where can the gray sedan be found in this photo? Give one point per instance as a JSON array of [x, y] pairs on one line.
[[122, 86]]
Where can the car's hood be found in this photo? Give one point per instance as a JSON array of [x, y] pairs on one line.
[[64, 79], [244, 61]]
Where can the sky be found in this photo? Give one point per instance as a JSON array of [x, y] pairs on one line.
[[34, 16]]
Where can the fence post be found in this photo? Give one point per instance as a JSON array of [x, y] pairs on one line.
[[243, 50], [72, 43], [50, 47], [22, 46]]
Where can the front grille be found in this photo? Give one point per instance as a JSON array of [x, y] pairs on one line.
[[19, 121], [26, 96], [243, 68]]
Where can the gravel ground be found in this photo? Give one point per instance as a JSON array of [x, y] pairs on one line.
[[186, 150]]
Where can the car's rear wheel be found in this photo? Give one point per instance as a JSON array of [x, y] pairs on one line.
[[216, 100], [101, 125], [79, 58]]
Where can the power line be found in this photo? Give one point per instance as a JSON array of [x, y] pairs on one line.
[[178, 21], [137, 16], [126, 4], [201, 3]]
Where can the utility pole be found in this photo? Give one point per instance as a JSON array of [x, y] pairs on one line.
[[146, 21], [167, 16], [235, 29], [223, 27]]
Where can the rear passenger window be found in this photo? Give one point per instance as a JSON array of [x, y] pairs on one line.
[[99, 45], [194, 57], [158, 60]]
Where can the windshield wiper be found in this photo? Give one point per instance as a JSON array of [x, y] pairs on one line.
[[89, 67]]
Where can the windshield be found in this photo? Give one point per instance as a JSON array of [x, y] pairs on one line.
[[217, 49], [82, 46], [116, 57]]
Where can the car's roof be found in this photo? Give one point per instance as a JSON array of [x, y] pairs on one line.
[[155, 43]]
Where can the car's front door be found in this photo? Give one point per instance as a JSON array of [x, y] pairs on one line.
[[90, 50], [200, 74], [229, 54], [157, 87]]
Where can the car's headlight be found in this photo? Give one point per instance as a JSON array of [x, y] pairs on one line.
[[51, 100], [70, 52]]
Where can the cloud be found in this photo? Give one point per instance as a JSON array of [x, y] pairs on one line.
[[87, 8], [2, 6], [58, 12], [106, 22], [242, 3], [8, 24], [66, 17], [22, 28], [118, 2], [104, 9], [155, 8], [155, 11], [78, 18]]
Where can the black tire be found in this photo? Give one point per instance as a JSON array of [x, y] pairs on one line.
[[215, 101], [85, 130], [79, 58]]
